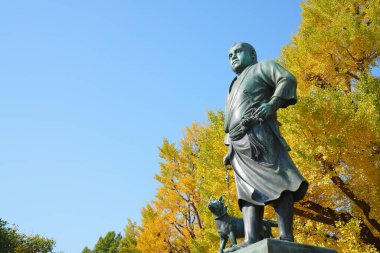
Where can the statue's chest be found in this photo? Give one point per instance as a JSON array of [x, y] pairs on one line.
[[251, 88]]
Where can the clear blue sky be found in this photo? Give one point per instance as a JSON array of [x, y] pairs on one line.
[[88, 90]]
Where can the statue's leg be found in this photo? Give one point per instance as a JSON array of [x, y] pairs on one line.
[[284, 212], [252, 217]]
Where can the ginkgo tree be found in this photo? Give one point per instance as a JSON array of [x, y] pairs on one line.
[[334, 132], [173, 220], [334, 129], [337, 43]]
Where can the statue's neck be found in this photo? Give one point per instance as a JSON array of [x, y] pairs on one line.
[[217, 217], [244, 70]]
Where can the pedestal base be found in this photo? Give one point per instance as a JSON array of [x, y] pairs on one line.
[[278, 246]]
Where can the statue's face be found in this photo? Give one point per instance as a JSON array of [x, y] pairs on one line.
[[239, 58]]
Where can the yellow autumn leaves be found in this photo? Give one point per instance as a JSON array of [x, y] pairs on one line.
[[334, 132]]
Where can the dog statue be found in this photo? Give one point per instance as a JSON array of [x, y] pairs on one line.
[[231, 227]]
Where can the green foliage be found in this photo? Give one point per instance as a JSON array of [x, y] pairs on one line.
[[129, 242], [86, 250], [107, 244], [116, 243], [11, 241]]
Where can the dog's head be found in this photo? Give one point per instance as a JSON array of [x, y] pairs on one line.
[[217, 207]]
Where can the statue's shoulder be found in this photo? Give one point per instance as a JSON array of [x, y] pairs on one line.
[[264, 67], [266, 63], [271, 66]]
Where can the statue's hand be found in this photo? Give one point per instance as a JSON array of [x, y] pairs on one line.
[[246, 122], [264, 110], [226, 159]]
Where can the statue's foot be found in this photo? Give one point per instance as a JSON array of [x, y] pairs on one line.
[[236, 247]]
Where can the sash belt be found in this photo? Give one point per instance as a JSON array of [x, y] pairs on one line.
[[238, 132]]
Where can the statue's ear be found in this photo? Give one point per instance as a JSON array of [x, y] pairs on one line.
[[221, 199]]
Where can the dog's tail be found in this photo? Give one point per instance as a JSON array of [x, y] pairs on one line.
[[272, 223]]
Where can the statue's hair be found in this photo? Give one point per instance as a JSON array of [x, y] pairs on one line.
[[248, 47]]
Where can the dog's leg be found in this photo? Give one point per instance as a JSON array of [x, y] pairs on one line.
[[232, 238], [223, 242], [266, 230]]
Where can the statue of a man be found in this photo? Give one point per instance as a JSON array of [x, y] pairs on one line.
[[258, 154]]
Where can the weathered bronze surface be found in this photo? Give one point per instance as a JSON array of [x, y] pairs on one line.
[[258, 154]]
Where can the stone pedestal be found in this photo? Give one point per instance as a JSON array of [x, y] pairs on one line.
[[278, 246]]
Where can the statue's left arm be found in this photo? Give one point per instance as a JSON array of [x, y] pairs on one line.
[[284, 85]]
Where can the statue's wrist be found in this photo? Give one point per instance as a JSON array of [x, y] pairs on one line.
[[275, 103]]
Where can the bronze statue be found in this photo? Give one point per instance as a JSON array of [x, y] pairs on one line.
[[258, 154], [231, 227]]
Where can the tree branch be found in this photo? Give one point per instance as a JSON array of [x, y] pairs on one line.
[[313, 216], [353, 75], [328, 216], [197, 215], [363, 205], [327, 212]]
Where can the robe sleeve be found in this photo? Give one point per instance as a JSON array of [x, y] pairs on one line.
[[283, 82]]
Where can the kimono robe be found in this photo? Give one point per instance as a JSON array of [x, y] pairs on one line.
[[259, 156]]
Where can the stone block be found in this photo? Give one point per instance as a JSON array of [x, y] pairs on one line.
[[278, 246]]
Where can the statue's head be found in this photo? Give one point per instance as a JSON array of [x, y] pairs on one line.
[[241, 55], [217, 207]]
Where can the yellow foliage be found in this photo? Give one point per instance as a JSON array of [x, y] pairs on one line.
[[329, 132], [334, 129], [334, 132], [173, 220], [349, 240], [338, 41]]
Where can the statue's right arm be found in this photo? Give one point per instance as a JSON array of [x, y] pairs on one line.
[[227, 157]]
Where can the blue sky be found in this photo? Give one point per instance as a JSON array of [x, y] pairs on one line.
[[88, 90]]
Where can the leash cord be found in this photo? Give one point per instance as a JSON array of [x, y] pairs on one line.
[[228, 184]]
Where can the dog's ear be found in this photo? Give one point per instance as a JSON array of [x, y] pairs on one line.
[[221, 199], [211, 199]]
